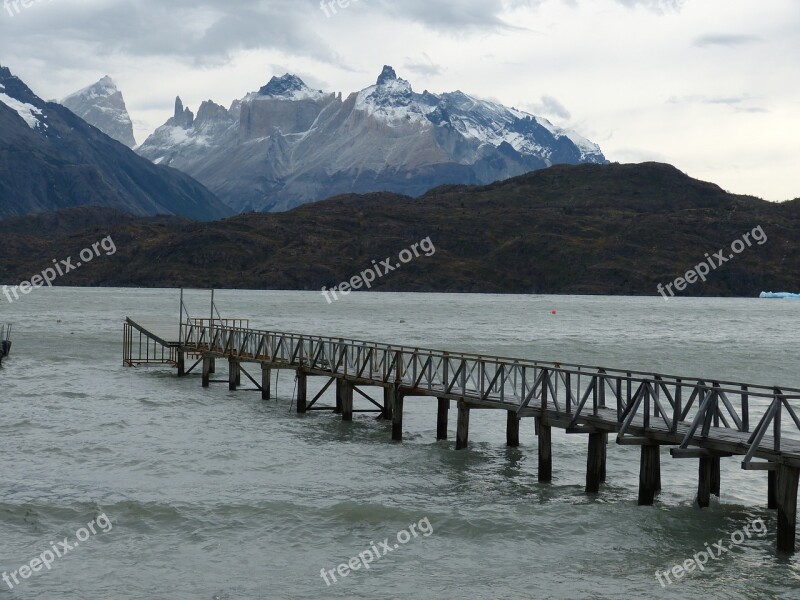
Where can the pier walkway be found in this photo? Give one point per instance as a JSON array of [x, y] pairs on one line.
[[702, 419]]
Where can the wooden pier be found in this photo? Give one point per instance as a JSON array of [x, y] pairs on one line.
[[699, 419], [5, 340]]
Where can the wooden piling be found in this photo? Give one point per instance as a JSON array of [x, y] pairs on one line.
[[266, 382], [302, 392], [786, 495], [387, 403], [396, 401], [347, 400], [715, 475], [704, 482], [462, 426], [772, 490], [206, 371], [595, 461], [233, 374], [649, 474], [657, 473], [512, 429], [441, 418], [339, 393], [213, 368], [181, 363], [544, 438], [604, 453]]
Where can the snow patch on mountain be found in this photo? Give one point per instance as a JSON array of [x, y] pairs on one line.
[[288, 87], [29, 113], [392, 100]]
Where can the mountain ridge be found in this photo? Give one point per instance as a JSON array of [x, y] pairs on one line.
[[585, 229], [287, 144], [50, 158]]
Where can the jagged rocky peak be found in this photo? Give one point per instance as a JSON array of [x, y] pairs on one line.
[[388, 81], [388, 74], [184, 117], [392, 98], [289, 87], [102, 105], [210, 111]]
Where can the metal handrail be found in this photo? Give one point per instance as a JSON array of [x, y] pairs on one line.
[[698, 404]]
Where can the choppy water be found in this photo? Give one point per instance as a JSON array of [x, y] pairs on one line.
[[219, 495]]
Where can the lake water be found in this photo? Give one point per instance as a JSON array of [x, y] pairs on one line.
[[219, 495]]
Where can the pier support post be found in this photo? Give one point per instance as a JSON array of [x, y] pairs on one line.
[[302, 392], [649, 474], [387, 404], [266, 382], [206, 371], [545, 451], [462, 427], [347, 400], [339, 393], [772, 490], [181, 363], [512, 429], [715, 475], [441, 418], [705, 481], [396, 403], [787, 480], [213, 368], [596, 462], [233, 374]]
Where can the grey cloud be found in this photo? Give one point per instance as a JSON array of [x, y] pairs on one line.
[[659, 6], [725, 39], [549, 106], [201, 31], [734, 102], [457, 15], [425, 66]]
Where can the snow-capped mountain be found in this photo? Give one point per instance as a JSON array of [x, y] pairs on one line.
[[287, 144], [51, 159], [102, 105]]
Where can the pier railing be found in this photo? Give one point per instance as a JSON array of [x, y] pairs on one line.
[[685, 409]]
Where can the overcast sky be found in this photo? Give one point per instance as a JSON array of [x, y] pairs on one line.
[[711, 86]]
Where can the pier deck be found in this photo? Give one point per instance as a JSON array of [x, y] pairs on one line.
[[698, 418]]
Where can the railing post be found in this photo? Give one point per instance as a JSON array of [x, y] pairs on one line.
[[678, 410], [776, 426], [745, 410]]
